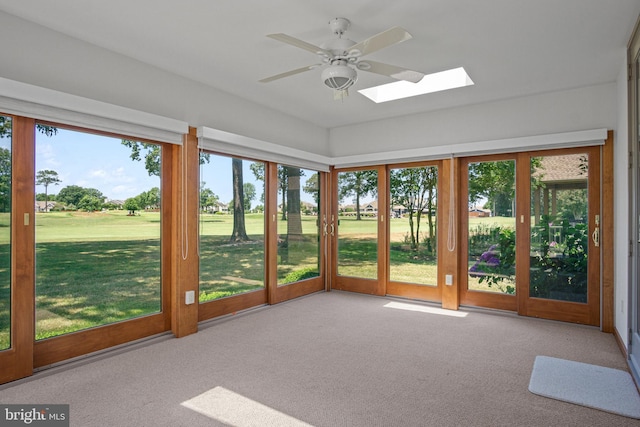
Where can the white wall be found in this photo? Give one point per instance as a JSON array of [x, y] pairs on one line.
[[42, 57], [621, 209], [573, 110]]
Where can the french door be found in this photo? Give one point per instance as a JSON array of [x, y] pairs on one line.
[[561, 262], [358, 228], [531, 234]]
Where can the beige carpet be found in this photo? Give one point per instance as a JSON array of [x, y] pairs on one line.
[[333, 359]]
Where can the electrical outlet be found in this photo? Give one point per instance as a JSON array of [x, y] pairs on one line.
[[189, 297], [448, 279]]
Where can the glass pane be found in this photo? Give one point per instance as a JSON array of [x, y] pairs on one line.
[[298, 225], [559, 230], [231, 226], [97, 231], [358, 224], [413, 245], [492, 227], [5, 232]]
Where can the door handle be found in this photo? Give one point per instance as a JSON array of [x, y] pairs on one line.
[[596, 237]]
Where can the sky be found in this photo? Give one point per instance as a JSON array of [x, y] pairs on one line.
[[103, 163]]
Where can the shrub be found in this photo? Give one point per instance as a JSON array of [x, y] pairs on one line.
[[302, 274]]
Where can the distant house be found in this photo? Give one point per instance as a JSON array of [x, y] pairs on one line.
[[479, 213], [370, 208], [220, 207], [118, 203], [41, 206]]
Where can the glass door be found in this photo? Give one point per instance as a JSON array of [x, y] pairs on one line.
[[413, 231], [564, 240], [488, 224], [298, 233], [358, 226]]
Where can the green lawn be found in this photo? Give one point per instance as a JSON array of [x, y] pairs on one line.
[[104, 267]]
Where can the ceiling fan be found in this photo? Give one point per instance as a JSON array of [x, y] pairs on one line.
[[342, 57]]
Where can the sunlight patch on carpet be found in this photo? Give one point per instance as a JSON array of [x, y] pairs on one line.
[[606, 389], [236, 410], [425, 309]]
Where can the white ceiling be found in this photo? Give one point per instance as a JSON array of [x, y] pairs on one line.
[[509, 48]]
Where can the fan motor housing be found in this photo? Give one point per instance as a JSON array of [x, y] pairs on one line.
[[339, 76]]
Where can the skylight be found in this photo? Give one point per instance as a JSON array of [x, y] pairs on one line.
[[444, 80]]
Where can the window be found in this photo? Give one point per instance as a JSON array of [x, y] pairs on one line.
[[231, 243], [413, 224], [5, 232], [492, 225], [298, 225], [358, 224], [98, 226], [560, 229]]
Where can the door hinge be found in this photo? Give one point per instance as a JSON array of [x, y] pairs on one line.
[[630, 71]]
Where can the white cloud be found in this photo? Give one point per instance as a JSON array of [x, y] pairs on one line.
[[46, 154]]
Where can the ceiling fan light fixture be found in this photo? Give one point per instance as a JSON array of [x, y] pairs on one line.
[[339, 77]]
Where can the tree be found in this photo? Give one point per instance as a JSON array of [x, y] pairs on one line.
[[208, 198], [5, 128], [357, 184], [149, 199], [46, 178], [294, 219], [249, 191], [5, 160], [152, 155], [90, 203], [239, 233], [312, 187], [131, 204], [258, 171], [40, 197], [494, 180], [72, 194], [416, 189], [5, 180]]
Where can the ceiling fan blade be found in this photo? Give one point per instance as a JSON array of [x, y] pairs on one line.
[[397, 73], [380, 41], [298, 43], [288, 73]]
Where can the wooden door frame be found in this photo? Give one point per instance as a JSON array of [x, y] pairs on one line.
[[494, 300], [606, 288], [590, 312], [280, 293], [356, 284], [412, 290], [17, 361]]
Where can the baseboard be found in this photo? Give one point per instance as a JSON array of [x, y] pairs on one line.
[[621, 344]]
